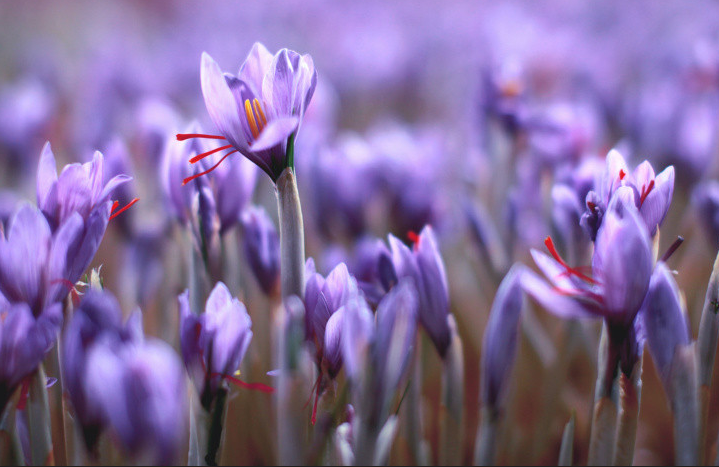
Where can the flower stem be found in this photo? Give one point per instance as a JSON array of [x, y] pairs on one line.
[[452, 401], [683, 394], [630, 396], [217, 416], [487, 437], [566, 450], [38, 411], [292, 238]]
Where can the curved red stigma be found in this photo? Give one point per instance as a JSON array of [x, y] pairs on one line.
[[199, 157], [251, 386], [645, 192], [622, 174], [115, 204], [189, 179], [185, 136], [569, 270]]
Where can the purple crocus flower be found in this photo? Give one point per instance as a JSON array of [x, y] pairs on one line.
[[324, 297], [214, 343], [141, 389], [97, 318], [664, 321], [499, 345], [262, 248], [424, 265], [259, 111], [705, 199], [23, 343], [79, 189], [652, 194]]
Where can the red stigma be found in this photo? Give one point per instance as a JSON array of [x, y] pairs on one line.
[[317, 398], [622, 174], [199, 157], [592, 207], [251, 386], [24, 392], [189, 179], [185, 136], [414, 238], [646, 192], [115, 204], [569, 270]]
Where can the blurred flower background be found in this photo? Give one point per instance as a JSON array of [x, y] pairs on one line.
[[489, 122]]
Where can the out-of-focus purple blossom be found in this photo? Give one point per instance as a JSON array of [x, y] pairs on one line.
[[118, 163], [24, 340], [259, 111], [324, 297], [651, 194], [225, 196], [79, 190], [664, 320], [26, 109], [215, 342], [97, 318], [504, 94], [262, 247], [499, 345], [424, 265], [705, 200], [141, 388], [566, 215], [156, 118]]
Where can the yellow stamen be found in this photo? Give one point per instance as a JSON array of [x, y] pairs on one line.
[[261, 120], [237, 373], [251, 119]]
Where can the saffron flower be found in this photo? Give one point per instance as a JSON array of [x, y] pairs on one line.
[[424, 265], [259, 111], [79, 189], [214, 343], [652, 194]]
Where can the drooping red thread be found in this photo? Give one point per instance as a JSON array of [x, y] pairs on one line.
[[116, 204], [314, 407], [199, 157], [252, 386], [569, 270], [189, 179], [185, 136], [24, 392]]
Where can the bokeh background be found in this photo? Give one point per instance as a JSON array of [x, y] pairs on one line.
[[425, 112]]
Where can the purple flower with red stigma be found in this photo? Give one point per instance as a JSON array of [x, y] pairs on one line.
[[424, 265], [650, 193], [259, 111], [214, 343]]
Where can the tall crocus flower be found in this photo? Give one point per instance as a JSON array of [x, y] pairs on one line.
[[651, 193], [98, 318], [258, 112], [423, 263], [23, 344], [214, 343], [78, 189]]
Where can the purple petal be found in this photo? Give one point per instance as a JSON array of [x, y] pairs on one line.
[[47, 180], [332, 344], [276, 132], [656, 204], [255, 67], [221, 103], [559, 305]]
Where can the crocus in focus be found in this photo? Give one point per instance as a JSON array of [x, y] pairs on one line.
[[425, 266], [214, 343], [652, 194], [262, 248], [259, 111]]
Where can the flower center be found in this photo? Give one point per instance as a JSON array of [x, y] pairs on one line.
[[255, 117]]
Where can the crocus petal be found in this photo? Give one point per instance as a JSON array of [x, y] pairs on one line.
[[277, 86], [255, 67], [332, 344], [643, 174], [434, 307], [276, 132], [219, 298], [357, 334], [112, 184], [664, 318], [46, 180], [656, 204], [555, 302], [220, 102]]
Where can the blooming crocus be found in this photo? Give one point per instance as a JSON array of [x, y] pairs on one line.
[[141, 389], [425, 266], [259, 111], [262, 248], [97, 318], [705, 200], [323, 298], [23, 343], [79, 189], [214, 343], [499, 345], [652, 194]]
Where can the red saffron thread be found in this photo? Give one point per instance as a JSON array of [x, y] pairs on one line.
[[570, 270], [116, 203], [185, 136], [199, 157], [189, 179]]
